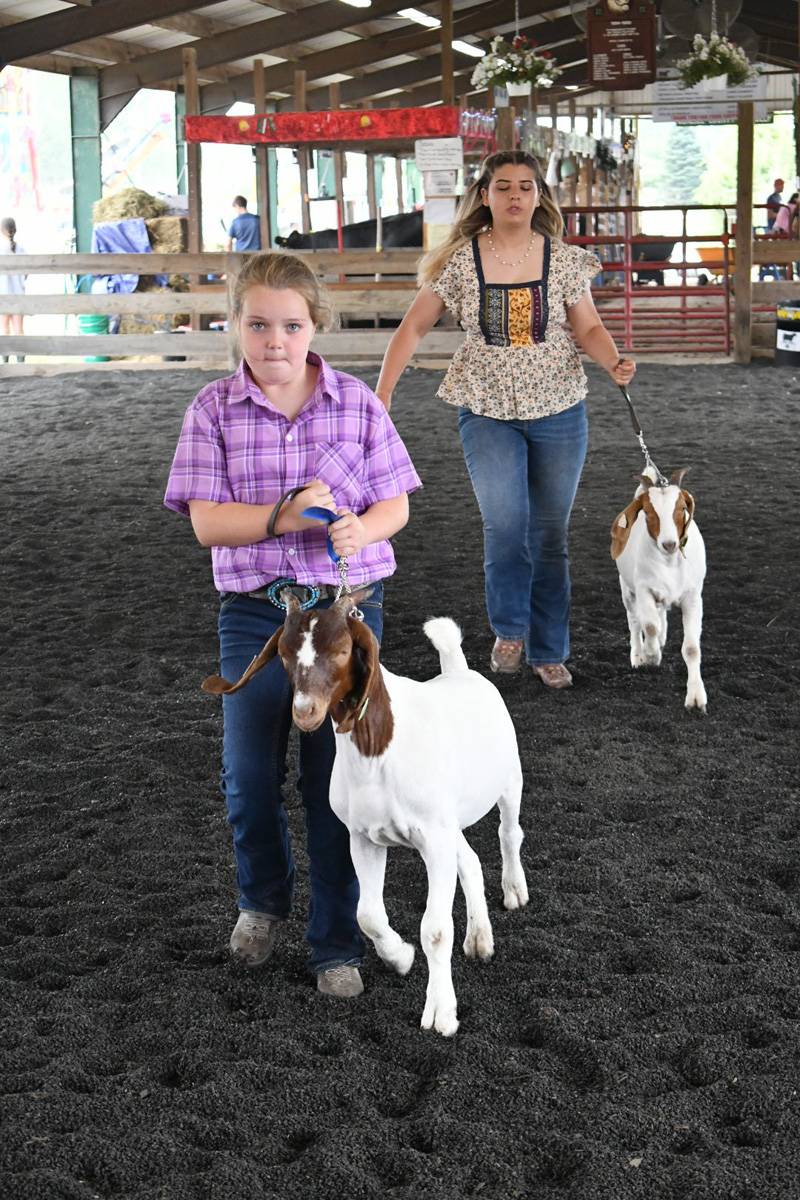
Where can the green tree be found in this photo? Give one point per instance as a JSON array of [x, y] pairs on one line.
[[684, 166]]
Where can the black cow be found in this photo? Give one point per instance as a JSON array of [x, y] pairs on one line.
[[650, 252], [403, 229]]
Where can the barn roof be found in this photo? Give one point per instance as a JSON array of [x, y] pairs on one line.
[[378, 54]]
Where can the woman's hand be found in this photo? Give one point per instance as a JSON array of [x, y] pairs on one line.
[[623, 371], [348, 534]]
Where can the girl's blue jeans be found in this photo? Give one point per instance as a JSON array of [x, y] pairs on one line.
[[257, 721], [525, 475]]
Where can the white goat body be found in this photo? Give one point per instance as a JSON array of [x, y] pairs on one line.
[[416, 763], [452, 756], [661, 559]]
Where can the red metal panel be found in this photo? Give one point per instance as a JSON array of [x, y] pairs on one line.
[[341, 125]]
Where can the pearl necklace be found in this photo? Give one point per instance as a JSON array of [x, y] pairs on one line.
[[502, 260]]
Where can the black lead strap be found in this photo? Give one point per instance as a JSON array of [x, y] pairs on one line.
[[637, 429]]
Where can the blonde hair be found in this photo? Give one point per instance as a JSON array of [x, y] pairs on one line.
[[473, 215], [278, 270]]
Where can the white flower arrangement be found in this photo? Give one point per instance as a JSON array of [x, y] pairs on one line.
[[715, 56], [515, 62]]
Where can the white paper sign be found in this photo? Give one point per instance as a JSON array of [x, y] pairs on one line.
[[439, 154], [698, 106], [439, 183]]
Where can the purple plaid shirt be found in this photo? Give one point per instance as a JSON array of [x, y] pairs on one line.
[[235, 445]]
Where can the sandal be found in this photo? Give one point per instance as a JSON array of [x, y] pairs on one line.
[[506, 655], [554, 675]]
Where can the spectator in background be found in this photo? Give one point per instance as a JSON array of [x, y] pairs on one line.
[[785, 219], [245, 229], [774, 202], [10, 285]]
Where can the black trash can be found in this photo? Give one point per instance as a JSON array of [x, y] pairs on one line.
[[787, 334]]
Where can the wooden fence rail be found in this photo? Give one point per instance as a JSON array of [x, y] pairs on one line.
[[356, 279]]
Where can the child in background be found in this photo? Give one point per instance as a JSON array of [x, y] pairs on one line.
[[284, 433], [10, 285]]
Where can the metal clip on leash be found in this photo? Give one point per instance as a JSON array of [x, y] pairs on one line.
[[661, 480], [325, 515]]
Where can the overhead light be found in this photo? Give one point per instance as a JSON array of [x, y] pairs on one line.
[[358, 3], [413, 14], [468, 48], [572, 87]]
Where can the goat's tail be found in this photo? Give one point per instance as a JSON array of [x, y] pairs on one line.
[[446, 637]]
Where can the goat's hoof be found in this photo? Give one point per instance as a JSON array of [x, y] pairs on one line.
[[479, 943], [515, 895], [443, 1020], [697, 700], [404, 959]]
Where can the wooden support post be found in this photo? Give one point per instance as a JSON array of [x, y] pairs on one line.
[[448, 83], [743, 285], [338, 158], [262, 157], [572, 111], [398, 174], [193, 152], [505, 128], [84, 101], [233, 264], [302, 154]]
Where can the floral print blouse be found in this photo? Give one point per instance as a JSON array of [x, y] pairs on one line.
[[518, 361]]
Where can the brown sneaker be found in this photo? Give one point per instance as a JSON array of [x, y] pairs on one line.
[[253, 938], [343, 981], [554, 675], [506, 655]]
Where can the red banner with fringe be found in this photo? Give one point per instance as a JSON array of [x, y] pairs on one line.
[[341, 125]]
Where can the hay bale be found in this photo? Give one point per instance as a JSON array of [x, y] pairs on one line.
[[130, 202], [168, 235]]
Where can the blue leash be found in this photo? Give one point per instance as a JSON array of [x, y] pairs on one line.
[[324, 514]]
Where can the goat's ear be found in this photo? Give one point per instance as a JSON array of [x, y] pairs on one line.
[[219, 686], [688, 500], [677, 476], [352, 599], [366, 667], [622, 526]]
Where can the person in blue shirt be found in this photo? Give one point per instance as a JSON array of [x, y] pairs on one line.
[[245, 229]]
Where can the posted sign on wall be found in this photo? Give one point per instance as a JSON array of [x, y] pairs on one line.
[[621, 41]]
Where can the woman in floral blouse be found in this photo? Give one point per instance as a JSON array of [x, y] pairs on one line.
[[522, 296]]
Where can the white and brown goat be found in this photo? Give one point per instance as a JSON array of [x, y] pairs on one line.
[[661, 558], [416, 763]]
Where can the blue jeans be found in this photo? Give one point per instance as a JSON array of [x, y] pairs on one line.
[[257, 721], [525, 475]]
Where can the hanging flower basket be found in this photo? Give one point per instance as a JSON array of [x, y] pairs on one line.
[[715, 58], [517, 62]]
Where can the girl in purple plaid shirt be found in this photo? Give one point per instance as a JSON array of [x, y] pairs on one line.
[[284, 433]]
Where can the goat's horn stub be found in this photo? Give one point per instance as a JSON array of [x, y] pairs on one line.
[[216, 685], [346, 601], [677, 476]]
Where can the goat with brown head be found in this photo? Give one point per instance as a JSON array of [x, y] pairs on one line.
[[331, 658], [661, 562], [668, 512]]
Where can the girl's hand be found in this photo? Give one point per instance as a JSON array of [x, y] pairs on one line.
[[623, 371], [348, 535], [316, 495]]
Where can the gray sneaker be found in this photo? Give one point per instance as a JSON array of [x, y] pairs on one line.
[[253, 938], [343, 981]]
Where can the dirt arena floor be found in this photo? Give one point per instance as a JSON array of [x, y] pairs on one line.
[[636, 1035]]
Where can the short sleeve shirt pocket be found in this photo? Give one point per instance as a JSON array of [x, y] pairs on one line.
[[341, 466]]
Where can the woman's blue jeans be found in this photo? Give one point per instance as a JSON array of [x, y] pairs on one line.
[[525, 475], [257, 721]]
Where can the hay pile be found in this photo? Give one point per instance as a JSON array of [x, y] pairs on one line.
[[130, 202], [168, 235]]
